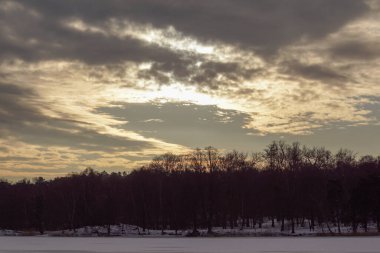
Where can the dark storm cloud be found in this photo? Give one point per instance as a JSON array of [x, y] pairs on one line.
[[263, 25], [204, 75], [88, 48], [181, 69], [231, 71], [322, 73], [356, 50], [14, 106], [34, 37], [22, 119]]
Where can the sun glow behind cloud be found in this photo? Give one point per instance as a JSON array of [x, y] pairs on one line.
[[168, 93]]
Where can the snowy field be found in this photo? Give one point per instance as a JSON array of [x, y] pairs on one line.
[[191, 245]]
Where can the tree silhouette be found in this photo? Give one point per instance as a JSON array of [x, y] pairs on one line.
[[288, 185]]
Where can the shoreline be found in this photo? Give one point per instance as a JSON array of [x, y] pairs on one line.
[[179, 236]]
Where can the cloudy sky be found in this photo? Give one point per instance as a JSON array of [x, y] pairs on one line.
[[109, 84]]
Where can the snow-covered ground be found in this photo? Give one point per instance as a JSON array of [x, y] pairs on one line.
[[191, 245], [266, 229]]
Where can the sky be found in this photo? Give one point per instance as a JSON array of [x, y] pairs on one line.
[[111, 84]]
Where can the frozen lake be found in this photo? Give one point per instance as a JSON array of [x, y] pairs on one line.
[[191, 245]]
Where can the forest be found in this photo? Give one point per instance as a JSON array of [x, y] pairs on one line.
[[206, 188]]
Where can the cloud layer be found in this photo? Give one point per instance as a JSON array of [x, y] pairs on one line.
[[111, 83]]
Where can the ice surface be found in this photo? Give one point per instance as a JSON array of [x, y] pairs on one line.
[[190, 245]]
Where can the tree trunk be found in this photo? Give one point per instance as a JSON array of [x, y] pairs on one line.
[[293, 226], [282, 224], [312, 222]]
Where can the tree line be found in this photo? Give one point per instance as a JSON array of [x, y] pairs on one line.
[[288, 184]]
